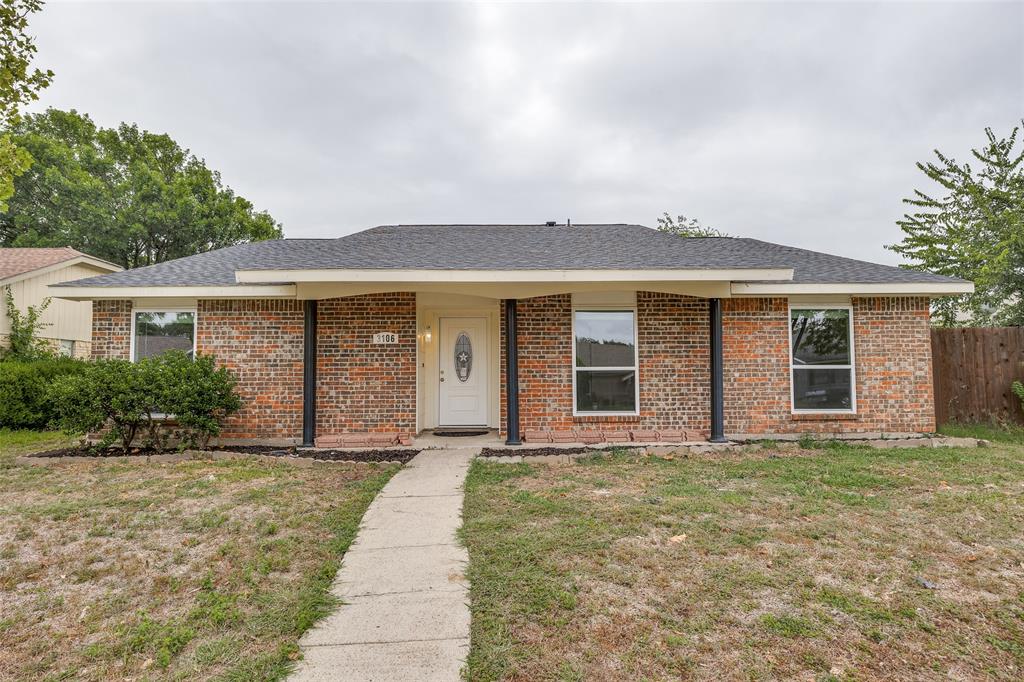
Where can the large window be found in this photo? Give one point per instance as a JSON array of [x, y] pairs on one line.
[[155, 332], [604, 359], [821, 340]]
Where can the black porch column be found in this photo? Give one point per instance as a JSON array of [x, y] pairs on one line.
[[717, 380], [309, 373], [511, 374]]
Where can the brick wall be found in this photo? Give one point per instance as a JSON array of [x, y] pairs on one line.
[[260, 340], [892, 342], [755, 364], [111, 329], [892, 352], [366, 388], [673, 350]]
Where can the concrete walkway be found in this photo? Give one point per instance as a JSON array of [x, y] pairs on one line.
[[406, 600]]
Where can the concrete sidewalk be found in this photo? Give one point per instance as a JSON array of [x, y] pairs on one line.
[[406, 601]]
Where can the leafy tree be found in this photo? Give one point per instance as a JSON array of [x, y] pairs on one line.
[[23, 339], [127, 195], [974, 230], [19, 85], [681, 226]]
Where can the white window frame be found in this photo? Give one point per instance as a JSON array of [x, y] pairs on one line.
[[794, 367], [636, 360], [148, 309]]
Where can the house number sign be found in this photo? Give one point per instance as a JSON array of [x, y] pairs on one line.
[[385, 338]]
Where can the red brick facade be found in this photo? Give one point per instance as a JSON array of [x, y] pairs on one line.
[[893, 369], [673, 349], [366, 388], [371, 389], [892, 353], [111, 329], [261, 342]]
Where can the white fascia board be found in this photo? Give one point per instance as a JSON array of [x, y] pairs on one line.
[[853, 288], [95, 293], [378, 275]]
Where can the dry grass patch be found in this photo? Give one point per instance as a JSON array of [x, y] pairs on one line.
[[198, 570], [838, 563]]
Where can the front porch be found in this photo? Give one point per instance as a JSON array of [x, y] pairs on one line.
[[404, 364]]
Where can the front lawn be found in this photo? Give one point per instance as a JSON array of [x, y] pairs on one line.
[[839, 563], [196, 570]]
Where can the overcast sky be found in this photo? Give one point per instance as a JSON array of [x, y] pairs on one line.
[[794, 123]]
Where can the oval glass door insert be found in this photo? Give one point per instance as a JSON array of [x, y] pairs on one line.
[[463, 357]]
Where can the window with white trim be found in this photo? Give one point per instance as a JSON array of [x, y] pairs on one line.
[[158, 331], [821, 343], [605, 362]]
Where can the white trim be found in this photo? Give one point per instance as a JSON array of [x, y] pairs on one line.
[[852, 366], [230, 291], [594, 275], [195, 326], [636, 360], [895, 289]]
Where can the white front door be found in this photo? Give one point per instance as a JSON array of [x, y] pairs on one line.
[[463, 371]]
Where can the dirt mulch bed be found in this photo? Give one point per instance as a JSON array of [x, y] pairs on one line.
[[378, 455], [541, 452]]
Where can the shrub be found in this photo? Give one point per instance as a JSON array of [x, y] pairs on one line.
[[131, 399], [24, 387], [197, 393], [1018, 390], [23, 337], [108, 393]]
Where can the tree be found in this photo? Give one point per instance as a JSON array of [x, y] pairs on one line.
[[124, 194], [975, 230], [19, 85], [681, 226]]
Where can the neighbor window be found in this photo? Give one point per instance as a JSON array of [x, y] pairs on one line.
[[821, 340], [604, 355], [156, 332]]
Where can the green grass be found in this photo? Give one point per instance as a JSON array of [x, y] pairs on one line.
[[170, 571], [997, 433], [18, 442], [763, 565]]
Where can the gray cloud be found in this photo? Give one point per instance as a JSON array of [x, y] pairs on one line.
[[796, 123]]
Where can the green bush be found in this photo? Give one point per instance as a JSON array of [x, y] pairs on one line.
[[197, 393], [24, 387], [108, 394], [132, 399]]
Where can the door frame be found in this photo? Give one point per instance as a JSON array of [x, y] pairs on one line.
[[428, 325], [440, 349]]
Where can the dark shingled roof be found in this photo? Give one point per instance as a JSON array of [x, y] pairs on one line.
[[508, 247]]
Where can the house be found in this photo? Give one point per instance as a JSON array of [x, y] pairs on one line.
[[621, 333], [29, 271]]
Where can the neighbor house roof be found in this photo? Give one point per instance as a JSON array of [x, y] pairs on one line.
[[456, 248], [22, 261]]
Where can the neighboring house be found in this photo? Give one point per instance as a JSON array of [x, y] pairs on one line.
[[29, 271], [622, 333]]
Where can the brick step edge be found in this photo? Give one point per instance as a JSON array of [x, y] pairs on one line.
[[360, 440], [593, 436]]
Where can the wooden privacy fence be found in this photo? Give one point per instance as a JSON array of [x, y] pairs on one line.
[[973, 369]]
